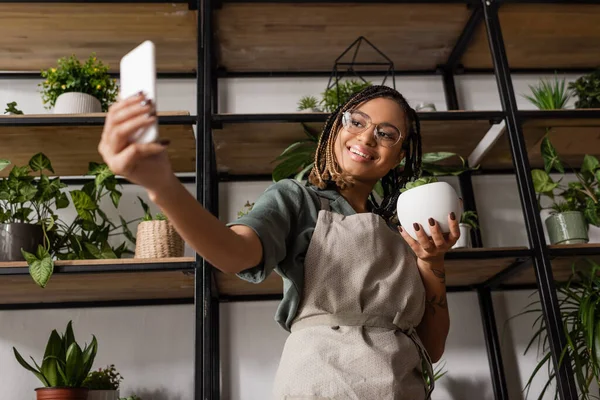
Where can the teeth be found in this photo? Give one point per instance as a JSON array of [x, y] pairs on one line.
[[363, 155]]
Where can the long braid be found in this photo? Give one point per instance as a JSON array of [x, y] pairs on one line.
[[326, 171]]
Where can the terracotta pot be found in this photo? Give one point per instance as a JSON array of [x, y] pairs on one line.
[[61, 393]]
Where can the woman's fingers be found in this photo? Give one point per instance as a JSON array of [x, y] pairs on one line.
[[436, 233], [423, 239], [125, 162], [115, 138], [454, 229]]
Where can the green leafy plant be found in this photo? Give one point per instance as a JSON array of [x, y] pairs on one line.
[[579, 303], [103, 379], [298, 159], [70, 75], [132, 397], [12, 108], [470, 218], [65, 363], [308, 103], [148, 215], [587, 89], [247, 208], [341, 92], [580, 196], [549, 95]]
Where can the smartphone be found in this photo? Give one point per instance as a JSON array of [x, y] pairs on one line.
[[138, 74]]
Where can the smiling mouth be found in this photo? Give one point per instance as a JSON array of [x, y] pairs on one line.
[[360, 154]]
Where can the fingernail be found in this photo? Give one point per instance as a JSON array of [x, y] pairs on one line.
[[400, 229], [452, 216], [164, 142], [146, 102], [416, 226], [431, 222]]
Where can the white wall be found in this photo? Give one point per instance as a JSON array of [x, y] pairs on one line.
[[157, 362]]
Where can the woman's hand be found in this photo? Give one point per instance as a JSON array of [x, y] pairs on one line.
[[432, 249], [143, 164]]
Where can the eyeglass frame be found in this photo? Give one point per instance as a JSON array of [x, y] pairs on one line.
[[348, 113]]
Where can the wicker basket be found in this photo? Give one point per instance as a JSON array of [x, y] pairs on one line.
[[158, 239]]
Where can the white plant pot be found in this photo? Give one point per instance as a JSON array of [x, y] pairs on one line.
[[434, 200], [311, 110], [464, 241], [103, 395], [77, 103]]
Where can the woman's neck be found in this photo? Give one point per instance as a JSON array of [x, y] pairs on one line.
[[357, 195]]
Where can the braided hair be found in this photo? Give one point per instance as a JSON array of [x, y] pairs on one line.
[[326, 172]]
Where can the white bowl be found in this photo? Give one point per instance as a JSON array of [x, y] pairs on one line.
[[433, 200]]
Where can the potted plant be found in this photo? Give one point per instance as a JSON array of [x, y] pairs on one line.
[[308, 104], [28, 198], [549, 96], [341, 92], [64, 367], [72, 87], [132, 397], [247, 207], [103, 384], [587, 89], [157, 237], [578, 302], [578, 206], [468, 222], [11, 109]]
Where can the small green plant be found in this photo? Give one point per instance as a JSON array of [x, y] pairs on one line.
[[341, 92], [470, 218], [587, 89], [132, 397], [549, 95], [65, 363], [148, 215], [70, 75], [298, 159], [12, 108], [580, 196], [247, 208], [308, 103], [103, 379]]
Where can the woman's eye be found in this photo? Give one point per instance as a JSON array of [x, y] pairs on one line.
[[356, 123]]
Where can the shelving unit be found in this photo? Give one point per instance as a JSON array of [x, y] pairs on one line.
[[284, 38]]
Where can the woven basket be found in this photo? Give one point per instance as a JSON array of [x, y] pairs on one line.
[[158, 239]]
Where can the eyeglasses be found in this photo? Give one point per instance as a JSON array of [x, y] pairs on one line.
[[357, 122]]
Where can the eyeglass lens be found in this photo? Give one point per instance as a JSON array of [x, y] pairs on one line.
[[356, 122]]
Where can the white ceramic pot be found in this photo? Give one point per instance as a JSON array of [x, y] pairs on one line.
[[464, 241], [434, 200], [103, 395], [77, 103]]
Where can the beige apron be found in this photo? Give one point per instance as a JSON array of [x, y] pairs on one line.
[[353, 336]]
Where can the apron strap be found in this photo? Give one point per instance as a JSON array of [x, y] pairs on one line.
[[336, 320]]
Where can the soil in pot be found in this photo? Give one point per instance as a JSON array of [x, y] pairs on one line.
[[17, 236], [61, 393], [568, 227]]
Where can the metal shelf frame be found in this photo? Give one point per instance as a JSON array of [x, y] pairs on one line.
[[206, 299]]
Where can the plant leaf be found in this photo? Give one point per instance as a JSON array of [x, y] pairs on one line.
[[52, 354], [550, 156], [28, 367], [74, 360], [83, 204], [40, 162], [126, 231], [39, 269], [89, 354], [115, 196], [590, 164], [62, 201], [542, 182]]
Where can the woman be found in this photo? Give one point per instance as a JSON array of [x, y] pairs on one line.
[[366, 306]]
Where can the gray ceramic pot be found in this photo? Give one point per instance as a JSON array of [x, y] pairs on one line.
[[568, 227], [14, 237]]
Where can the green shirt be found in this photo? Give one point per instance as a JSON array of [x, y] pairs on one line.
[[284, 218]]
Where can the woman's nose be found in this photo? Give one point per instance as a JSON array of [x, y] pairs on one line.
[[368, 136]]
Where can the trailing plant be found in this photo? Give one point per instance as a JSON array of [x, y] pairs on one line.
[[587, 89], [470, 218], [580, 196], [12, 108], [308, 103], [103, 379], [65, 363], [70, 75], [579, 303], [550, 95], [341, 92]]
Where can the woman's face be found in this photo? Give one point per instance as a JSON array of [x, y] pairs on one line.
[[363, 157]]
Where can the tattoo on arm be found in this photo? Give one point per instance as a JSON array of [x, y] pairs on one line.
[[439, 302], [440, 274]]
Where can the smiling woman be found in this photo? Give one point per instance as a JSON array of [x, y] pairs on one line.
[[365, 304]]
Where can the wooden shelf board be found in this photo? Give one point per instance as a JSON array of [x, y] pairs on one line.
[[309, 37], [71, 148], [251, 147], [461, 270], [120, 261], [542, 36], [34, 36], [106, 286], [561, 264], [572, 137]]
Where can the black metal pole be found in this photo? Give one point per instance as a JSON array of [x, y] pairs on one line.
[[492, 343], [543, 269], [465, 179]]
